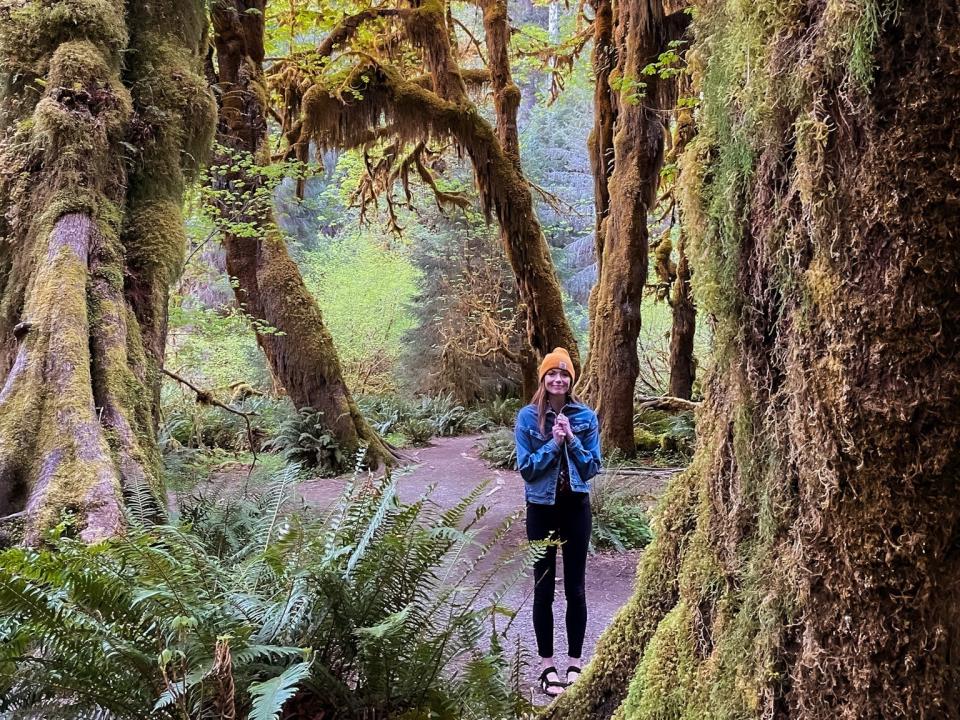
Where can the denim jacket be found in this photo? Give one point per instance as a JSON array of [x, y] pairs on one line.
[[538, 455]]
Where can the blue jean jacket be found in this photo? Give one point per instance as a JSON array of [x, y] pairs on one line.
[[538, 455]]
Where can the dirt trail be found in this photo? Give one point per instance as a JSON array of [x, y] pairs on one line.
[[454, 468]]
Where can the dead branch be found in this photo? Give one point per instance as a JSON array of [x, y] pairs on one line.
[[206, 397], [667, 403], [473, 40]]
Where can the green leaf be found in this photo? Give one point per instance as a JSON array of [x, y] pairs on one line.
[[269, 696]]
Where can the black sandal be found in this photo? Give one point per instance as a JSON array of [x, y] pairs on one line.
[[546, 685], [578, 671]]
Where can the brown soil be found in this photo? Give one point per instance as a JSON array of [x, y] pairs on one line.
[[452, 467]]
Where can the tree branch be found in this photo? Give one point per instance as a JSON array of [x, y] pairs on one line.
[[206, 397]]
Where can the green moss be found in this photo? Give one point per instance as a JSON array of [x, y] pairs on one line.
[[32, 30], [155, 240], [664, 681], [645, 440]]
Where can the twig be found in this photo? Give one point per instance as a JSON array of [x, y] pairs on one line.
[[473, 40], [555, 201], [204, 396]]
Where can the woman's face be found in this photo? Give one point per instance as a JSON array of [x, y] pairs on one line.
[[557, 382]]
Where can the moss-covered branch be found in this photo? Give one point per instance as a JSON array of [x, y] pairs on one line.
[[269, 285]]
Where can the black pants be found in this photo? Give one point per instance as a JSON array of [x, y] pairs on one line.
[[568, 521]]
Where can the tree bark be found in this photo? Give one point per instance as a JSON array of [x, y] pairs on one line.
[[642, 32], [806, 565], [684, 312], [683, 328], [78, 371], [600, 146], [269, 285]]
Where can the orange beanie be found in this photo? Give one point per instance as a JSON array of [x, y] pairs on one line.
[[559, 359]]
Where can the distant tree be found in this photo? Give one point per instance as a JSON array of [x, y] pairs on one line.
[[627, 147], [104, 112], [805, 566], [674, 277]]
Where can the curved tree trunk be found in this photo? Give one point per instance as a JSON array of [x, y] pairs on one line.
[[269, 285], [806, 565], [79, 373], [506, 102]]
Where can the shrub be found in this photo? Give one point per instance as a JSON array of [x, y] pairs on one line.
[[619, 515], [444, 413], [418, 431], [243, 611], [502, 411], [420, 420], [499, 449], [189, 424], [305, 440]]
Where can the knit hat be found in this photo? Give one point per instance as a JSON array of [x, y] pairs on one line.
[[559, 359]]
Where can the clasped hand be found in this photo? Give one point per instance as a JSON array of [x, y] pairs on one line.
[[561, 429]]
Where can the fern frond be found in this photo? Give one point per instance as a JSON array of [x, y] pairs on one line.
[[270, 696]]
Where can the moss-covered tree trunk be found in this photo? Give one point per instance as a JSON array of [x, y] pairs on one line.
[[93, 158], [683, 327], [506, 102], [269, 285], [683, 311], [806, 565], [642, 30], [600, 147], [500, 175]]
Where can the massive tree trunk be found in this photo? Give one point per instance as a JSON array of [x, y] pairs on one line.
[[92, 239], [642, 30], [269, 285], [806, 566]]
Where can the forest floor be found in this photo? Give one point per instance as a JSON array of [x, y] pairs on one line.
[[453, 467]]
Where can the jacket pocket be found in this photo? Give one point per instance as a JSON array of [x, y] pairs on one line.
[[537, 439]]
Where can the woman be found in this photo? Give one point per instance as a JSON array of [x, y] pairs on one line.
[[558, 451]]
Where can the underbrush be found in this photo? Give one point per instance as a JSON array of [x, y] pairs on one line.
[[499, 449], [304, 439], [619, 506], [416, 421], [662, 437], [186, 423], [241, 609], [197, 437]]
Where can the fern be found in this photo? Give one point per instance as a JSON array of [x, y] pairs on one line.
[[270, 696], [384, 598]]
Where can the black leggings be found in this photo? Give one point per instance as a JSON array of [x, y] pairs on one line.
[[568, 521]]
